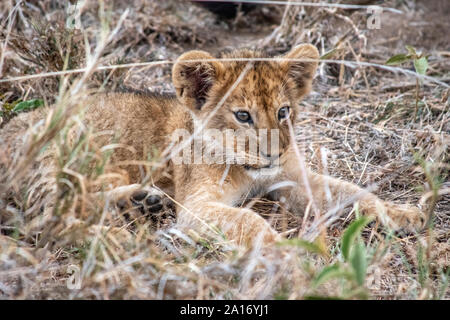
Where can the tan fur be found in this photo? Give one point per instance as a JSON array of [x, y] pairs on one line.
[[206, 197]]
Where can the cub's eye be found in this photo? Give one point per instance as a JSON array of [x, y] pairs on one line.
[[283, 113], [243, 116]]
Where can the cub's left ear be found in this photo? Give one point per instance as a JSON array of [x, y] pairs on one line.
[[301, 71]]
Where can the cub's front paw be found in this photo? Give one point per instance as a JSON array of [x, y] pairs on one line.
[[400, 217], [254, 230], [405, 217], [148, 203]]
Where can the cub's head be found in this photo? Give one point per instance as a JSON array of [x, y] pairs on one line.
[[247, 91]]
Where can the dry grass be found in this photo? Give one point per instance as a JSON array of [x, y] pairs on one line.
[[358, 124]]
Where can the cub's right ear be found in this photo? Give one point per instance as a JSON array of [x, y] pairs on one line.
[[301, 72], [193, 78]]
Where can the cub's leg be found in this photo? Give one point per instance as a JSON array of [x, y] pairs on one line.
[[205, 204], [329, 192], [239, 225]]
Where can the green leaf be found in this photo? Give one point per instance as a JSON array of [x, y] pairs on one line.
[[330, 272], [28, 105], [411, 51], [398, 59], [9, 106], [421, 65], [350, 235], [358, 261], [308, 246]]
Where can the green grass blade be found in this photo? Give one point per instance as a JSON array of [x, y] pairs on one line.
[[358, 261], [350, 235]]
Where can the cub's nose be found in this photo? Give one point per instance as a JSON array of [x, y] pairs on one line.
[[270, 156]]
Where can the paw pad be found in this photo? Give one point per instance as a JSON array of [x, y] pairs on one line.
[[139, 195], [147, 204]]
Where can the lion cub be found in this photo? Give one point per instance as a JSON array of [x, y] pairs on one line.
[[244, 91]]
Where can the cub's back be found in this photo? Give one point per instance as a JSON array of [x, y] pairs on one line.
[[137, 120], [141, 123], [138, 123]]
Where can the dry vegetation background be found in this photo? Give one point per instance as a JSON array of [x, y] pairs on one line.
[[362, 123]]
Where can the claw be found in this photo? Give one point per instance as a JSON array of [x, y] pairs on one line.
[[122, 204]]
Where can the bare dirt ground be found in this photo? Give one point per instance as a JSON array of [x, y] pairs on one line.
[[365, 124]]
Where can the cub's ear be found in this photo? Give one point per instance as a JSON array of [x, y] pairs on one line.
[[193, 78], [301, 72]]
